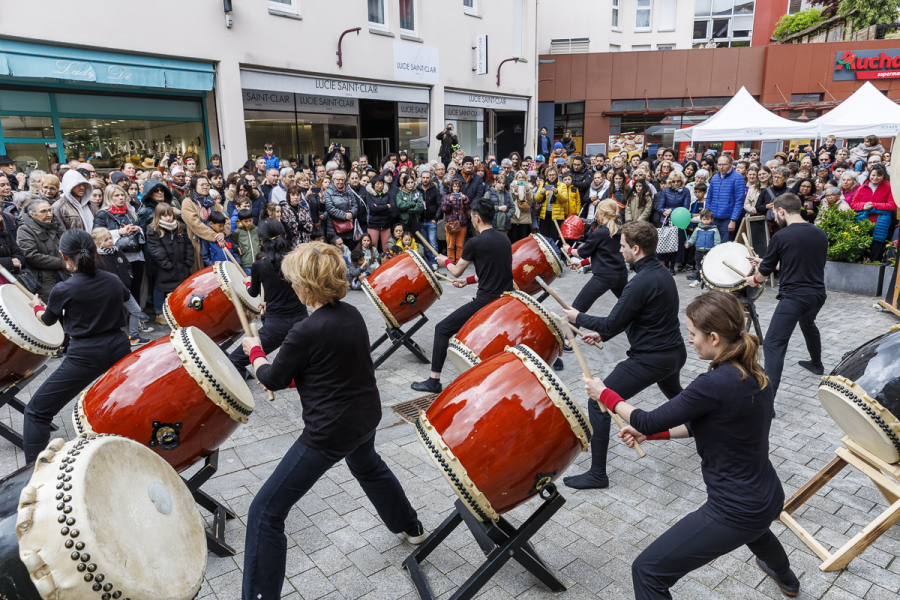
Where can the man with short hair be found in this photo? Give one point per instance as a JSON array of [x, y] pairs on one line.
[[320, 173], [18, 181], [754, 156], [545, 143], [472, 183], [506, 169], [363, 161], [647, 311], [279, 192], [431, 197], [260, 166], [841, 155], [582, 177], [726, 196], [271, 182], [449, 143], [799, 251], [689, 154], [618, 163]]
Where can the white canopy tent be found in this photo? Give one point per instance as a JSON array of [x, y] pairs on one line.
[[866, 112], [745, 119]]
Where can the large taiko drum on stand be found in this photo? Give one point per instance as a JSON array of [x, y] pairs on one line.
[[502, 431], [719, 276], [531, 257], [513, 319], [402, 288], [862, 395], [203, 300], [179, 395], [25, 342], [99, 518]]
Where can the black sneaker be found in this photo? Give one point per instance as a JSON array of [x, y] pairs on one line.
[[558, 365], [144, 328], [567, 347], [429, 385], [138, 341], [811, 367], [789, 587], [415, 534], [695, 276]]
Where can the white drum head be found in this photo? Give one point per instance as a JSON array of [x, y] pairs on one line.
[[229, 272], [850, 406], [128, 524], [213, 372], [19, 324], [716, 273]]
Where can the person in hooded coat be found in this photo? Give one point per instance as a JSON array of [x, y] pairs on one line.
[[74, 208], [38, 237]]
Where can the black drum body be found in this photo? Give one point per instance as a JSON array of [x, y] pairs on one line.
[[15, 584]]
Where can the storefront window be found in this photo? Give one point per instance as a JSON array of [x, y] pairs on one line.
[[31, 156], [316, 133], [414, 138], [269, 127], [470, 134], [26, 127], [109, 143]]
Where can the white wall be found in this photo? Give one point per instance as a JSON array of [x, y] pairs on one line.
[[195, 30], [564, 19]]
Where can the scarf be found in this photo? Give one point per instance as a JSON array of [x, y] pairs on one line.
[[106, 251], [117, 210], [181, 188], [169, 226], [205, 203]]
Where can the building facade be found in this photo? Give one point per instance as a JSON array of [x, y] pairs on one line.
[[375, 77]]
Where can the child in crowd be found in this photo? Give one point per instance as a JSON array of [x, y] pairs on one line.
[[698, 203], [705, 238], [212, 252], [368, 250], [111, 259], [860, 154], [338, 242], [406, 243], [246, 239], [385, 256], [241, 203], [396, 233], [358, 269]]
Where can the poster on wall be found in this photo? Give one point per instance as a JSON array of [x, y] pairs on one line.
[[628, 142], [416, 63]]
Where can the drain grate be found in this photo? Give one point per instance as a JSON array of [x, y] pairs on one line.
[[409, 411]]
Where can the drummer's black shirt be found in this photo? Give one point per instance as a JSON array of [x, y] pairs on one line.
[[802, 249], [281, 300], [88, 306], [603, 250], [491, 251], [647, 311]]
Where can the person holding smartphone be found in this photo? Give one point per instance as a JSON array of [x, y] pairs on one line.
[[448, 141]]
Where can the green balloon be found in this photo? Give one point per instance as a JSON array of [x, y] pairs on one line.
[[681, 217]]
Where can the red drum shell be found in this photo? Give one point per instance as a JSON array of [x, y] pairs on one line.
[[529, 261], [217, 318], [401, 288], [151, 384], [572, 228], [507, 321], [506, 432], [17, 363]]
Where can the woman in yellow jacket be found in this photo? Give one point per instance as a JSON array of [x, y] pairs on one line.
[[557, 201]]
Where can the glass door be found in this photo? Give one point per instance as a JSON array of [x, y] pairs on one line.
[[376, 150]]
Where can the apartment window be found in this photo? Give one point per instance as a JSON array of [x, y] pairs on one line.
[[518, 20], [378, 17], [615, 14], [665, 46], [570, 46], [615, 48], [470, 7], [666, 19], [642, 18], [641, 48], [794, 7], [283, 6], [408, 15], [726, 22]]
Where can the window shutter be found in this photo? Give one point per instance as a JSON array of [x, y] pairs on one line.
[[570, 46], [518, 28], [666, 15]]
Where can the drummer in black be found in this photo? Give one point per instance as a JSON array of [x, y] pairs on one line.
[[491, 251], [91, 306], [283, 309], [647, 311], [802, 249], [608, 272]]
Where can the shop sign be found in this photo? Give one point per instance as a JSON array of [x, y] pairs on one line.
[[408, 110], [327, 104], [416, 63], [481, 55], [262, 100], [459, 113], [867, 64], [479, 100], [329, 86]]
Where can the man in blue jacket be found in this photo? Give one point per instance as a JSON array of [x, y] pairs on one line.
[[726, 197], [545, 143]]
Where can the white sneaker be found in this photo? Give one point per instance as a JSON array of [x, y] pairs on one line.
[[695, 283]]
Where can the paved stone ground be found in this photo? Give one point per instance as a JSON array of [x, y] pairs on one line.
[[339, 549]]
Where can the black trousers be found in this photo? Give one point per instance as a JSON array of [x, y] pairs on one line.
[[271, 336], [447, 328], [630, 377], [86, 359], [548, 229], [137, 272], [695, 540], [265, 552], [790, 311], [519, 232], [596, 286]]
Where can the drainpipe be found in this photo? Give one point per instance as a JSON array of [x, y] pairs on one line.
[[341, 40], [501, 65]]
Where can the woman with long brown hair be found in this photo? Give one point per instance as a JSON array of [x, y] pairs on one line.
[[728, 410]]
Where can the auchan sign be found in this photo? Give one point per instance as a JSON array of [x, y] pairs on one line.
[[867, 64]]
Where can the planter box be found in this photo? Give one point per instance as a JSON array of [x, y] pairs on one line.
[[852, 278]]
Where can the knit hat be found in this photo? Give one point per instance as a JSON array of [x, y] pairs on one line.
[[423, 168], [175, 170], [376, 179], [468, 159], [557, 146], [117, 176], [532, 173]]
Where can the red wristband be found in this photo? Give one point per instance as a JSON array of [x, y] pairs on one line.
[[39, 308], [248, 284], [447, 262], [660, 436], [585, 262], [569, 250], [470, 279], [609, 399], [256, 352]]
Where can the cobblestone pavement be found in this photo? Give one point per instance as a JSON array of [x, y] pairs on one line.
[[339, 549]]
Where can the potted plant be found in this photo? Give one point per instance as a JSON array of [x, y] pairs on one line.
[[849, 240]]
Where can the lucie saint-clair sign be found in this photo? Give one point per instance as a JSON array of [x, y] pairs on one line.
[[867, 64]]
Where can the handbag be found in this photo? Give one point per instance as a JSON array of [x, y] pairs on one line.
[[357, 231], [130, 243], [341, 227], [668, 237]]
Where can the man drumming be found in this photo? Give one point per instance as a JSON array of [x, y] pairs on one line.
[[491, 252], [647, 311], [801, 248]]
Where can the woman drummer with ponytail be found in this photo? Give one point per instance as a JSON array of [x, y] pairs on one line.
[[728, 411], [91, 307]]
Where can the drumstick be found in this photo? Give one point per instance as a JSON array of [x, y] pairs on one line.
[[234, 260], [559, 231], [735, 269], [747, 242], [587, 373], [270, 395], [245, 325], [575, 329], [9, 277], [444, 277], [427, 245], [551, 292]]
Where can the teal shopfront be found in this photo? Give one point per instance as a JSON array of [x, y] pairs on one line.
[[60, 103]]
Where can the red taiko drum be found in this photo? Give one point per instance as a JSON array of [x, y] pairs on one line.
[[180, 395], [203, 300], [512, 319], [503, 430], [25, 342], [402, 288], [572, 228], [531, 257]]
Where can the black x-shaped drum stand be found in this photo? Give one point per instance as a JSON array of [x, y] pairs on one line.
[[749, 303], [399, 338], [8, 397], [215, 541], [499, 541]]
